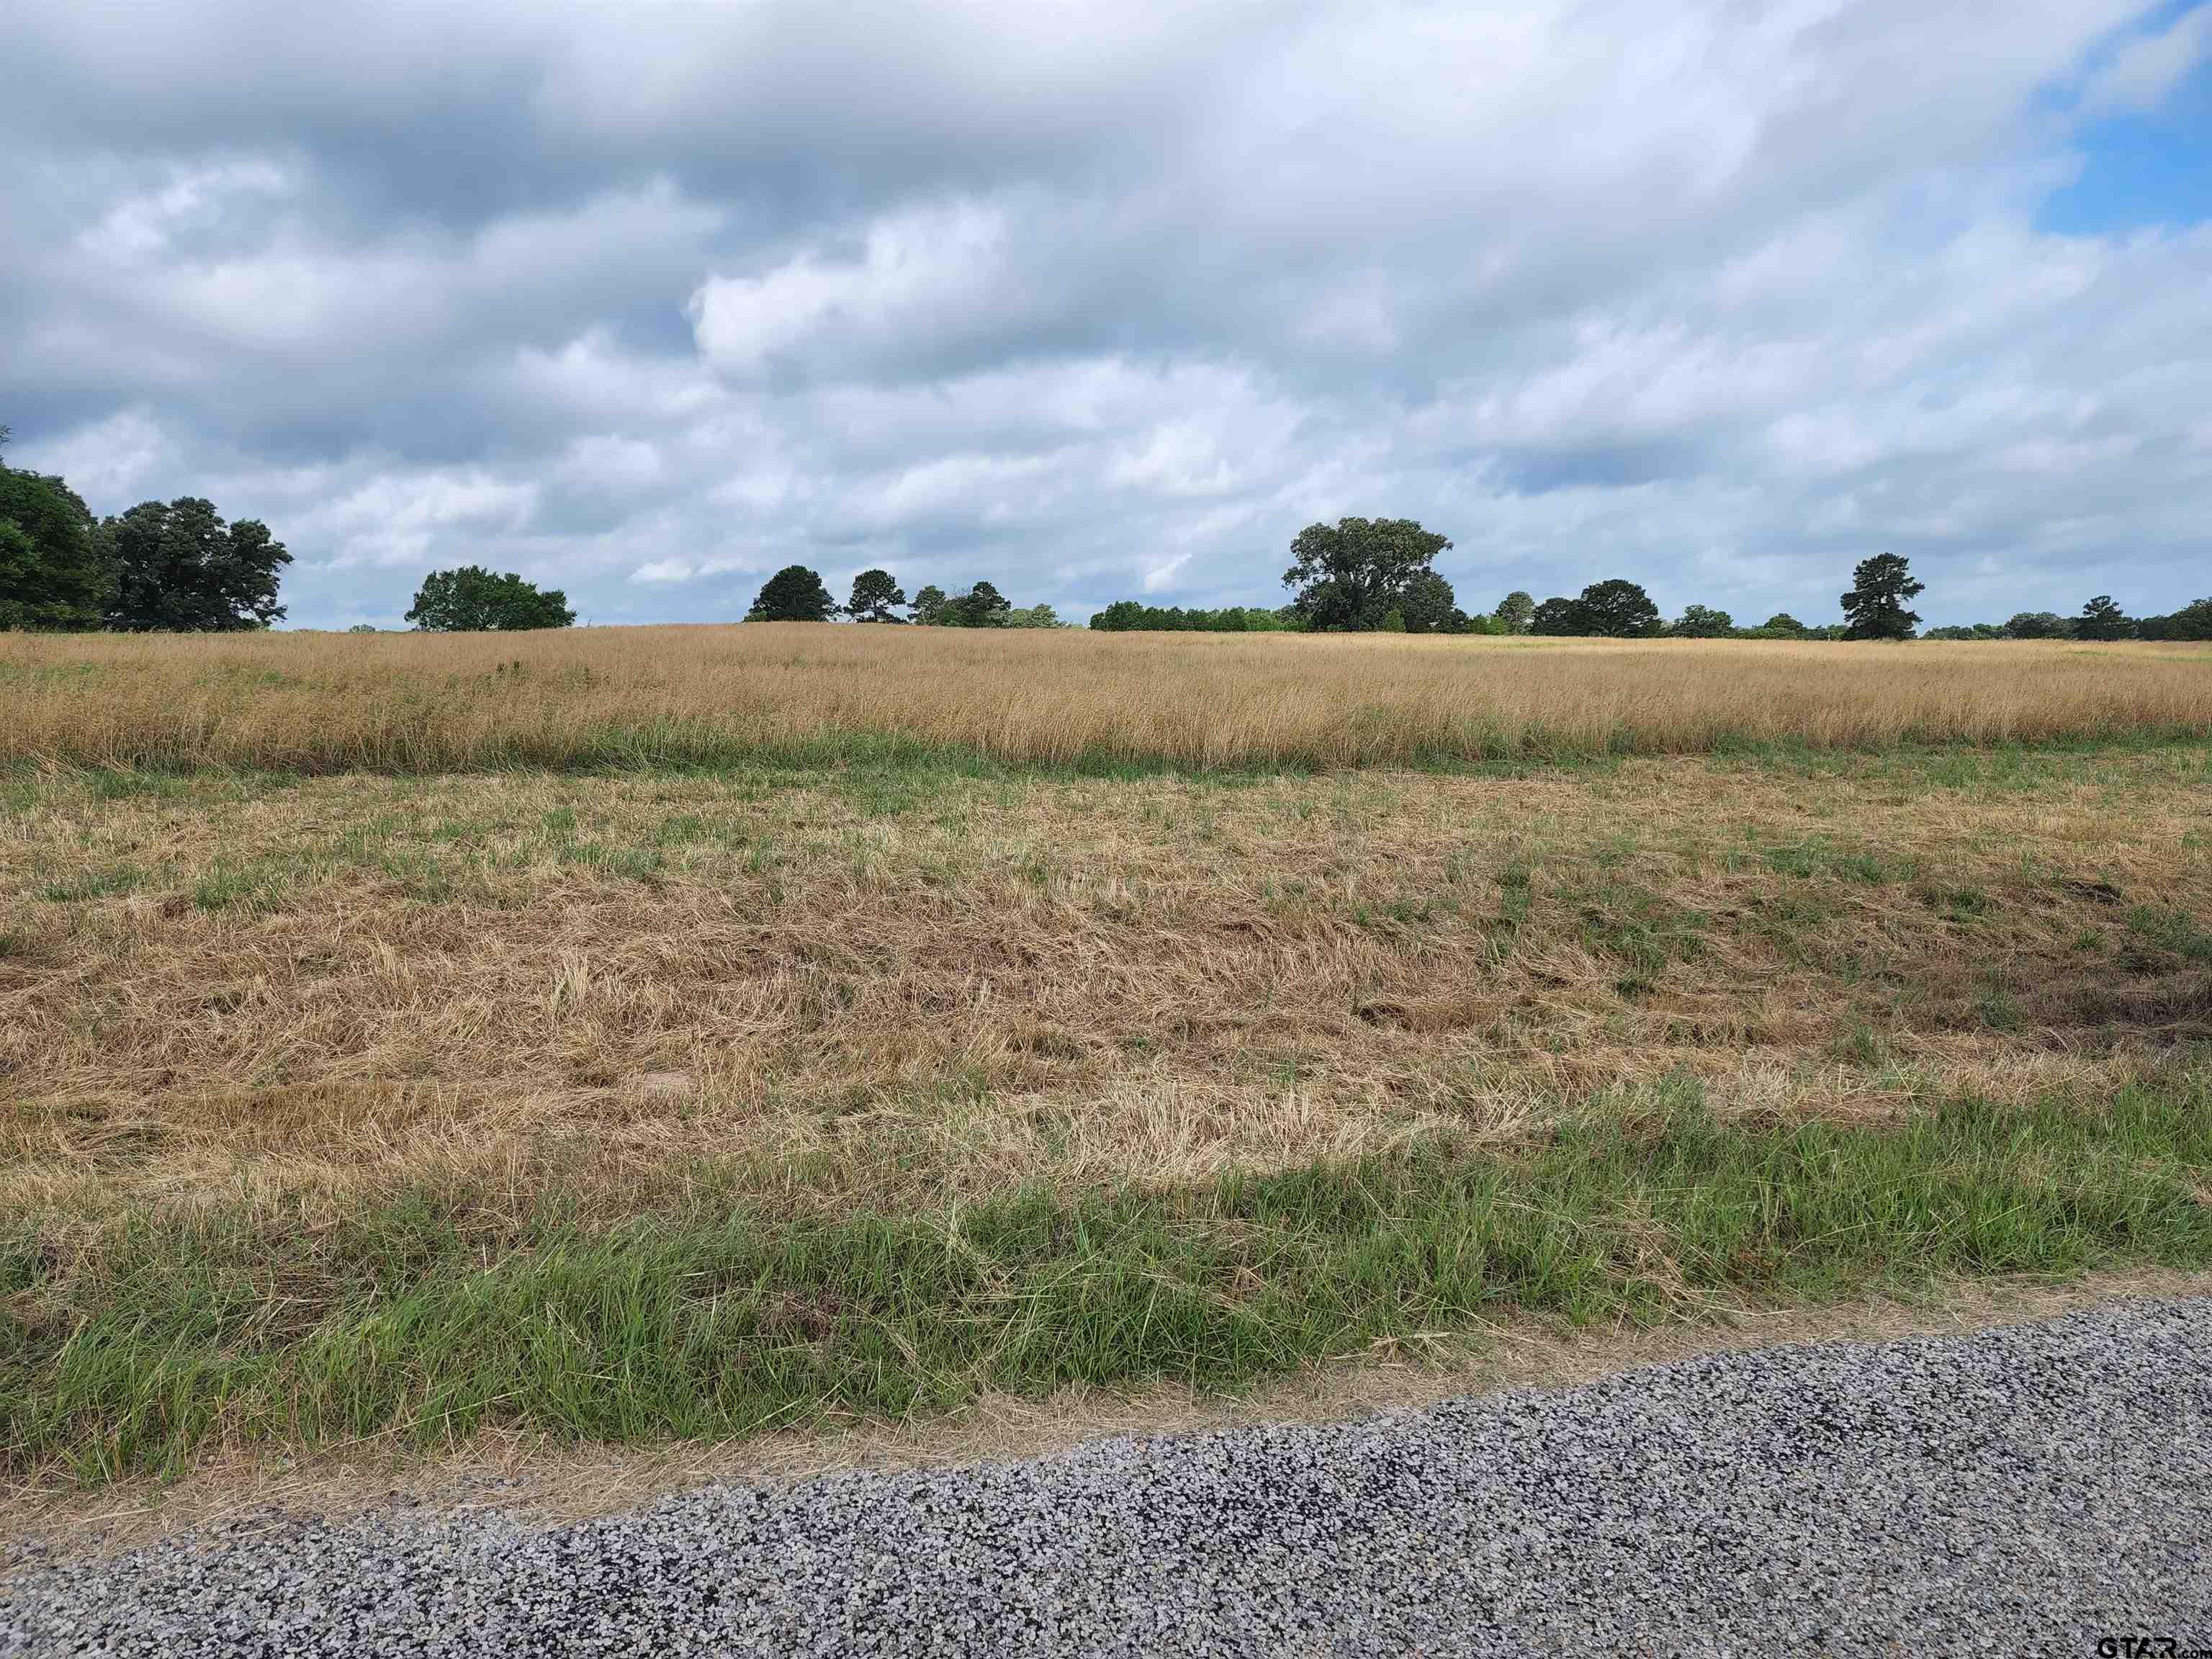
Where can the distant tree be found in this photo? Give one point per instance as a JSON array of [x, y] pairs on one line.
[[1517, 611], [1426, 604], [178, 567], [1350, 574], [2101, 619], [474, 601], [1615, 609], [1619, 610], [1556, 615], [1128, 615], [875, 596], [1036, 615], [2038, 625], [1699, 621], [1782, 622], [2191, 621], [1122, 616], [1874, 608], [980, 606], [364, 628], [52, 573], [794, 593], [929, 606]]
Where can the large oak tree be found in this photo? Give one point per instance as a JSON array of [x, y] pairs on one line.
[[1352, 576], [474, 601], [178, 568], [794, 593]]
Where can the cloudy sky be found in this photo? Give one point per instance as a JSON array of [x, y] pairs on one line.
[[1100, 300]]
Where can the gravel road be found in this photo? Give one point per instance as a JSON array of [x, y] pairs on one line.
[[2028, 1489]]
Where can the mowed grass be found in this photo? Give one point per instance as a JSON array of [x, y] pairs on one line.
[[678, 1102], [728, 695]]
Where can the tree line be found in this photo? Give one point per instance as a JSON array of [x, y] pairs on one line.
[[178, 566], [1362, 575], [1356, 576], [168, 566], [2100, 619], [796, 593]]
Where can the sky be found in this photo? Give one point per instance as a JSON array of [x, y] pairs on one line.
[[1109, 300]]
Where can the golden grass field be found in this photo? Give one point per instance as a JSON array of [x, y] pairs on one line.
[[713, 695], [362, 1076]]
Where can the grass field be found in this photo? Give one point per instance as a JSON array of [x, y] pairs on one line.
[[902, 1046], [720, 696]]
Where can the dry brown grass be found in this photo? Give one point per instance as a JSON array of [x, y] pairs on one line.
[[923, 986], [326, 703], [584, 1071]]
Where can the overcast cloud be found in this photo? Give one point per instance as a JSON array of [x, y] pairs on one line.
[[1100, 300]]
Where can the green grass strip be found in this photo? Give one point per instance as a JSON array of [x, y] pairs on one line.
[[714, 1319]]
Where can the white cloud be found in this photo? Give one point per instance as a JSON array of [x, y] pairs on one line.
[[608, 461], [1095, 299], [107, 461], [927, 272], [395, 518], [140, 227], [2147, 68]]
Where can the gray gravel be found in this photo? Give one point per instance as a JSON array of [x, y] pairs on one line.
[[2024, 1490]]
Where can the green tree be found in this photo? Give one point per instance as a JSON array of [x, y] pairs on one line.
[[473, 600], [794, 593], [2038, 625], [1699, 621], [1783, 623], [1517, 611], [1557, 616], [1614, 609], [875, 595], [2191, 621], [980, 606], [1125, 616], [1350, 575], [1619, 610], [1874, 608], [1036, 615], [929, 606], [2102, 619], [52, 573], [1121, 616], [1425, 605], [179, 568]]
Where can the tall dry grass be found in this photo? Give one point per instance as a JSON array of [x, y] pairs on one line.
[[402, 702]]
